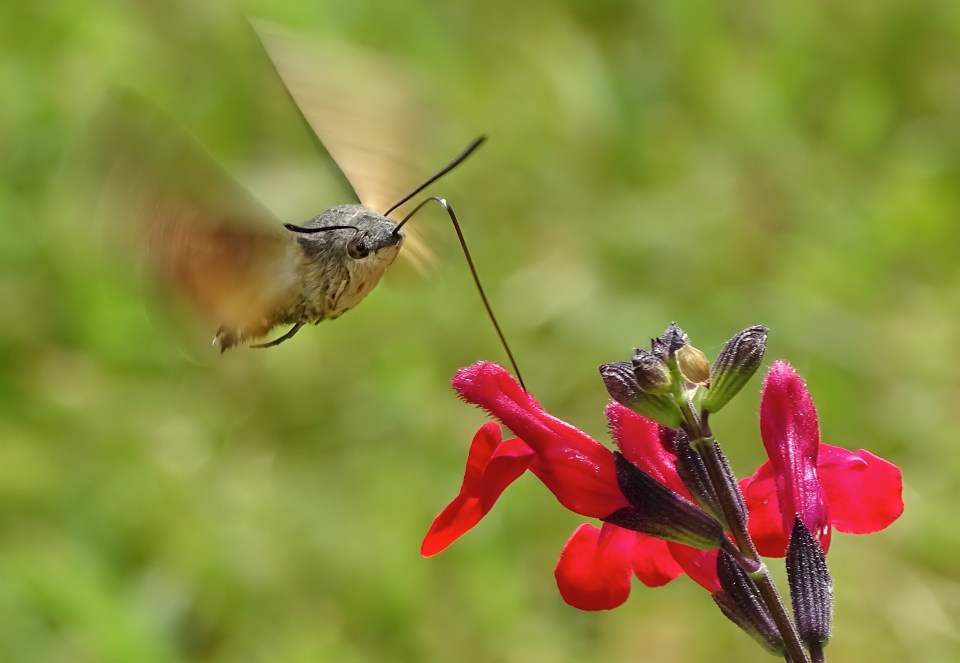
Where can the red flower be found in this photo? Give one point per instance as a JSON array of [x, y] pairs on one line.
[[856, 492]]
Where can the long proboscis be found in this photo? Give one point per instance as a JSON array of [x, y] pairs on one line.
[[457, 160], [466, 254]]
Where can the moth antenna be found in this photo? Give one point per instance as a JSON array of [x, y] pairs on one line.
[[466, 254], [457, 160], [309, 231]]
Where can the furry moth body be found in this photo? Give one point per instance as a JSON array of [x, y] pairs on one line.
[[250, 278], [317, 276]]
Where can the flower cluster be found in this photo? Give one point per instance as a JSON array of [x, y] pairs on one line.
[[666, 498]]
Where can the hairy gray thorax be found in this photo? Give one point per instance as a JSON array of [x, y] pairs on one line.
[[334, 277]]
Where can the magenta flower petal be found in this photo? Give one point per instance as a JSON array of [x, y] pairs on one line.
[[639, 440], [597, 566], [864, 492], [492, 465], [791, 436], [577, 469]]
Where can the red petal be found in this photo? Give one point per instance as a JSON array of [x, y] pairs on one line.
[[765, 523], [491, 467], [700, 565], [864, 491], [576, 468], [653, 564], [597, 566], [593, 572], [639, 440], [788, 426]]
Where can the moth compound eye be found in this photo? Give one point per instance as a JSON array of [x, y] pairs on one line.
[[357, 248]]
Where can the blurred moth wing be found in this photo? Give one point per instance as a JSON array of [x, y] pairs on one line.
[[230, 258], [364, 109], [204, 235]]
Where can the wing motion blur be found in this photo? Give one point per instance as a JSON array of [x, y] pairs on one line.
[[203, 235], [201, 232], [365, 110]]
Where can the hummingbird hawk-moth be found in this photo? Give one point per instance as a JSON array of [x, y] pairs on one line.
[[228, 256]]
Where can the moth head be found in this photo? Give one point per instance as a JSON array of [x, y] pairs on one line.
[[359, 237]]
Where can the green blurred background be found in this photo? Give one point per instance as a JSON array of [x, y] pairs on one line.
[[717, 164]]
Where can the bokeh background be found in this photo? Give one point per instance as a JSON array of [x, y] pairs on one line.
[[795, 164]]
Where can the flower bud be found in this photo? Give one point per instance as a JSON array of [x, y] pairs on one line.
[[693, 365], [653, 376], [669, 342], [811, 588], [622, 385], [693, 472], [737, 363], [657, 511], [740, 600]]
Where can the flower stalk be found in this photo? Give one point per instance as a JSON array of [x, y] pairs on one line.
[[676, 365]]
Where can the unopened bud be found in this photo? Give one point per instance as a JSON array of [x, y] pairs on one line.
[[737, 363], [669, 342], [623, 387], [740, 600], [693, 365], [652, 374], [695, 476], [811, 588], [657, 511]]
